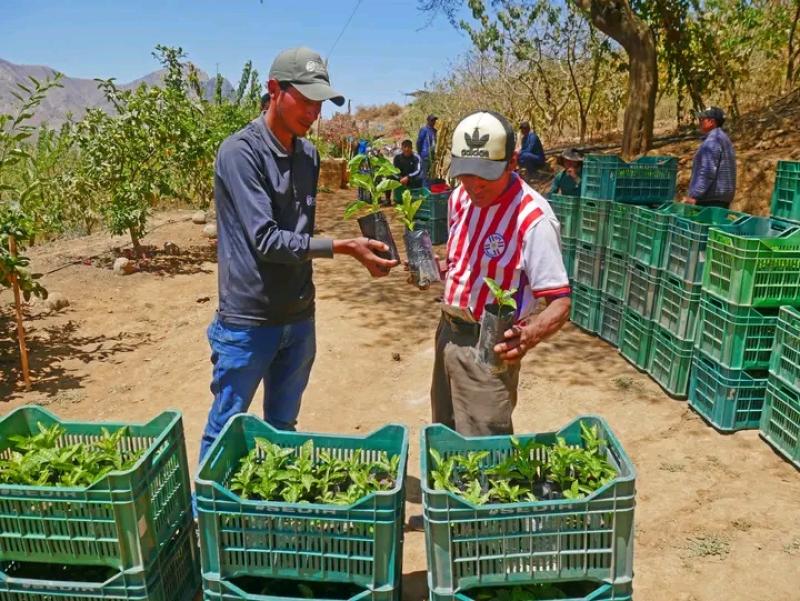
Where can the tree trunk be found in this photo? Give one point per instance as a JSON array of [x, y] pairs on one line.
[[617, 20], [137, 245], [792, 53]]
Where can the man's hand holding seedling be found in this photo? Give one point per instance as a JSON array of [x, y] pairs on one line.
[[363, 250], [524, 336]]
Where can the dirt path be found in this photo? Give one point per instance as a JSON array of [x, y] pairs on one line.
[[718, 517]]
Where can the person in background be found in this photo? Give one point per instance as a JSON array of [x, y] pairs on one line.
[[713, 182], [568, 181], [531, 152], [409, 164], [426, 147], [265, 188], [264, 102], [500, 228]]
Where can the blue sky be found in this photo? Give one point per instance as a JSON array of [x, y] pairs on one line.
[[385, 51]]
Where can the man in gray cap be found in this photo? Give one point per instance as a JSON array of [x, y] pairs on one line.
[[265, 188], [713, 180]]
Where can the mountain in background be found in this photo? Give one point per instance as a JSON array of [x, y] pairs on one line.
[[77, 94]]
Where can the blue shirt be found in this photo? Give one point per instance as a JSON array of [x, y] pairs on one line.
[[714, 170], [266, 201], [426, 142], [531, 144]]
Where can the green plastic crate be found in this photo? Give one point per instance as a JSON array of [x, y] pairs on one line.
[[433, 207], [670, 361], [786, 193], [566, 211], [215, 589], [568, 254], [634, 338], [121, 522], [784, 362], [615, 272], [649, 229], [610, 319], [359, 544], [570, 591], [736, 337], [780, 420], [641, 286], [174, 576], [588, 268], [685, 244], [592, 221], [585, 307], [676, 307], [519, 543], [438, 229], [756, 271], [646, 180], [618, 234], [728, 399]]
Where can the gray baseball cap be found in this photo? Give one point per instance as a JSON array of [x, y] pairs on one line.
[[306, 71]]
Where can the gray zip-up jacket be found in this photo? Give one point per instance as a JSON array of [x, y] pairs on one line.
[[266, 201]]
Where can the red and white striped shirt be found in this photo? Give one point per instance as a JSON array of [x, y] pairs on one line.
[[515, 241]]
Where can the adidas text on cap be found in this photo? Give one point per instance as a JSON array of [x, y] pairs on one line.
[[483, 143], [306, 71]]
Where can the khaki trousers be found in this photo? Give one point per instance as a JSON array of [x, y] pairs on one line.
[[464, 395]]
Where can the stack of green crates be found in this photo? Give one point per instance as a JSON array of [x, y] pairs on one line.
[[128, 536], [566, 211], [432, 213], [247, 545], [752, 267], [587, 269], [561, 542], [780, 419], [786, 193]]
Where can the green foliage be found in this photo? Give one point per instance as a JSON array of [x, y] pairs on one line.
[[44, 460], [375, 180], [408, 210], [273, 473], [532, 471], [530, 592], [504, 298]]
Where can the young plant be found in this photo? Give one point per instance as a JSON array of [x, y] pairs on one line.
[[504, 298], [408, 209], [375, 181]]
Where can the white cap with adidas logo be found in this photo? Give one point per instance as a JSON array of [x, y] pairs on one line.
[[483, 143]]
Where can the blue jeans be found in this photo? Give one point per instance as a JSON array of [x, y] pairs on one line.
[[529, 161], [242, 357]]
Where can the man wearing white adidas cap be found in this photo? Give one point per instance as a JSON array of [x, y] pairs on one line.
[[502, 229]]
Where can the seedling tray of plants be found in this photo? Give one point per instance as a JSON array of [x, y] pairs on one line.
[[173, 576], [520, 510], [785, 358], [670, 361], [728, 399], [566, 211], [780, 420], [77, 493], [687, 236], [736, 337], [303, 506], [749, 266], [567, 591], [646, 180], [248, 588]]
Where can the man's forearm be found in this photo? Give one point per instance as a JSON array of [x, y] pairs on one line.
[[549, 321]]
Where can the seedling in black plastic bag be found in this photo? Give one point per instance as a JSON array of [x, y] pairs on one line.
[[422, 261], [497, 318]]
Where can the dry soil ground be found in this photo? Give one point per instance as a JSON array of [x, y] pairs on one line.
[[717, 519]]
